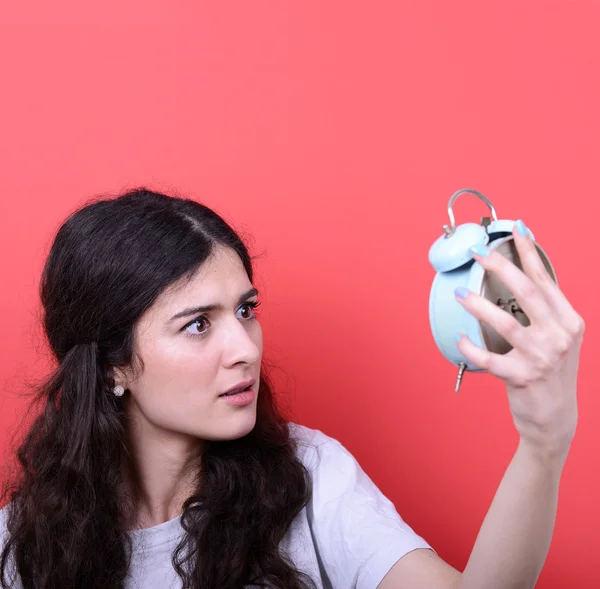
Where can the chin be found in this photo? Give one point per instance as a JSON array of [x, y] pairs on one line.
[[234, 428]]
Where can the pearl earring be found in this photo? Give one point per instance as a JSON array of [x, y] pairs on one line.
[[119, 390]]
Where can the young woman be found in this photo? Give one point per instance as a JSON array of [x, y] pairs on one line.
[[160, 460]]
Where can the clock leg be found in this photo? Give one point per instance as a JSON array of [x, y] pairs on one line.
[[461, 371]]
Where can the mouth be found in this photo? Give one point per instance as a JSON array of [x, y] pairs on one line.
[[242, 387]]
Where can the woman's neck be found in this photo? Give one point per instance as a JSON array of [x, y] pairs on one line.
[[161, 472]]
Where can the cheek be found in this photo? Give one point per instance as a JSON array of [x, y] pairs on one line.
[[257, 337], [178, 372]]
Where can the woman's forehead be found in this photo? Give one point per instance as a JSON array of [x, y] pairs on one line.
[[221, 281]]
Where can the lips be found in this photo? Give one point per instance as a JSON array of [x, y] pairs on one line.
[[238, 388]]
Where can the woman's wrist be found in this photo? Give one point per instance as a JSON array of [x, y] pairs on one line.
[[550, 455]]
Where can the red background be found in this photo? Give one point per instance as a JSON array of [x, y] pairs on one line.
[[333, 133]]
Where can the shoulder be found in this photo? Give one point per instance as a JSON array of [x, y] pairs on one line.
[[356, 530], [4, 513], [3, 520], [334, 470], [312, 445], [305, 436]]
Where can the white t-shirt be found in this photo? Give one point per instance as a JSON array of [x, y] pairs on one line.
[[348, 536]]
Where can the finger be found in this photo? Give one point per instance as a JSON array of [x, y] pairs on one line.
[[498, 319], [501, 365], [534, 267], [528, 294], [511, 368]]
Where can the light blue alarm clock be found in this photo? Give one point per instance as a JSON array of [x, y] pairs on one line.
[[453, 262]]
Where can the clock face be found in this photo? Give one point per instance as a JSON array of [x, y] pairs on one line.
[[495, 291]]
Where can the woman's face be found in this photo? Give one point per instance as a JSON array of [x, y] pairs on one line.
[[191, 360]]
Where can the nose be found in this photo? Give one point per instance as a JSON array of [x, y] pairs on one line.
[[242, 342]]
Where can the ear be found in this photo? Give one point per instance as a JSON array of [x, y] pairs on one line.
[[121, 377]]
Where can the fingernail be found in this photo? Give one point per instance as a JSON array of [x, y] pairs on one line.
[[480, 250], [461, 292], [458, 337], [521, 228]]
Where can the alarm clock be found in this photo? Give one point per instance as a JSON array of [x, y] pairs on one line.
[[452, 259]]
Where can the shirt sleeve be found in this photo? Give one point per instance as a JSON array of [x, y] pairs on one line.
[[357, 531], [15, 582]]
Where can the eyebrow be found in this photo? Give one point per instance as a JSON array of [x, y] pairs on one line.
[[253, 292]]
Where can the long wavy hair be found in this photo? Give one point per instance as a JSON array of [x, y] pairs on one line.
[[108, 262]]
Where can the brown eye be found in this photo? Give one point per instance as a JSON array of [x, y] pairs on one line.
[[247, 311], [201, 323]]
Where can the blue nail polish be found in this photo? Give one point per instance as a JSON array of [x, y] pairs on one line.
[[480, 250], [521, 228], [461, 292], [458, 337]]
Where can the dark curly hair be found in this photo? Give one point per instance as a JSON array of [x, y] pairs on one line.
[[109, 261]]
